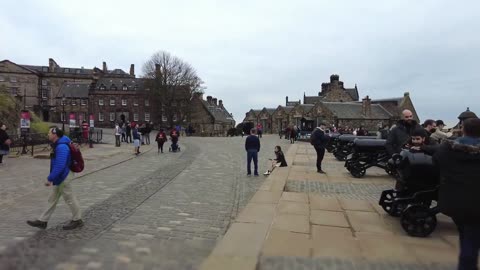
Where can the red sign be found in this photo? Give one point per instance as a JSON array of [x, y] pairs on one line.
[[73, 122], [25, 119]]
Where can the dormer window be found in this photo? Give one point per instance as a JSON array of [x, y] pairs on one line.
[[135, 88], [102, 87], [113, 87], [67, 70], [45, 69], [124, 88]]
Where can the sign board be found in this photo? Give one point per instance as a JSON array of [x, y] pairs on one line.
[[91, 121], [25, 119], [72, 120]]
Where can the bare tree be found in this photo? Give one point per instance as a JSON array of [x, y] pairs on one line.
[[173, 83]]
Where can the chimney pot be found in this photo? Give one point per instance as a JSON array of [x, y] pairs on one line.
[[132, 69], [220, 103], [105, 67], [209, 99], [214, 101]]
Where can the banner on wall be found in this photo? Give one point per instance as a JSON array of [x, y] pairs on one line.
[[92, 122], [72, 120], [25, 120]]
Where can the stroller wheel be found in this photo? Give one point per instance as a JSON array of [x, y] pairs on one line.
[[418, 221]]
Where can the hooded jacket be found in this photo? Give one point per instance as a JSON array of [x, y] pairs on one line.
[[318, 138], [60, 161], [399, 135], [459, 165]]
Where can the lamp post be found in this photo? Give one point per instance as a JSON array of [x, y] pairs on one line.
[[63, 112]]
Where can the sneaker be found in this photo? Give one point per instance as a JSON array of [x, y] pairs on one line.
[[37, 223], [256, 174], [266, 173], [322, 172], [73, 224]]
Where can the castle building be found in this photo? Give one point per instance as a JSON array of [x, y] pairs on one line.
[[334, 105]]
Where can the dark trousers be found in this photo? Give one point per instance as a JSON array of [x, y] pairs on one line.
[[252, 154], [320, 153], [160, 146], [123, 137], [129, 138], [147, 138], [1, 158], [292, 139], [469, 235], [117, 140]]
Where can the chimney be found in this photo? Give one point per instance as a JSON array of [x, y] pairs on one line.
[[157, 68], [105, 67], [367, 106], [220, 103], [132, 69], [52, 65], [406, 94], [286, 101], [209, 99], [214, 100]]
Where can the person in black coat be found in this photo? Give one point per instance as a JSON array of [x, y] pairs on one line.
[[4, 142], [252, 146], [459, 165], [319, 140], [401, 133], [278, 161]]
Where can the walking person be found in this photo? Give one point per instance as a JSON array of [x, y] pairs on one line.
[[60, 178], [129, 133], [123, 129], [4, 142], [319, 140], [118, 133], [136, 140], [161, 139], [459, 165], [252, 146], [293, 135], [148, 129]]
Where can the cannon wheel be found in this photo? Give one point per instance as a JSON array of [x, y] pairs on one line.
[[418, 221], [386, 202], [357, 172]]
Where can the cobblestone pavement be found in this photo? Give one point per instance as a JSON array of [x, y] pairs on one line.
[[153, 212]]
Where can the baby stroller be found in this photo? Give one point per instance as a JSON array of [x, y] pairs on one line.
[[417, 186], [174, 147]]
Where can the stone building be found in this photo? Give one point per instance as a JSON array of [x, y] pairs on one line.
[[337, 106], [209, 117]]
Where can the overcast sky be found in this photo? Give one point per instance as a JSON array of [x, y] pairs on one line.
[[253, 53]]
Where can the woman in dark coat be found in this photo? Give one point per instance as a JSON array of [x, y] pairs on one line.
[[4, 142]]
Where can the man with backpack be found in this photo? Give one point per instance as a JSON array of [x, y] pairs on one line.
[[319, 140], [64, 157]]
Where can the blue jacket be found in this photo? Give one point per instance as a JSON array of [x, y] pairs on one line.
[[136, 136], [60, 161], [252, 143]]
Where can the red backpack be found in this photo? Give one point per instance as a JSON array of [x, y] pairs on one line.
[[77, 164]]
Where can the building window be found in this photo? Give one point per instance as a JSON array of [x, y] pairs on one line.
[[63, 102], [135, 87], [124, 87], [147, 117], [74, 102], [2, 79], [77, 71], [13, 79], [44, 82], [83, 102], [124, 102], [45, 69], [135, 117], [100, 117], [147, 102], [147, 89], [112, 102], [102, 87], [113, 87], [174, 118], [164, 118], [67, 70], [44, 94], [135, 102], [112, 117], [100, 102]]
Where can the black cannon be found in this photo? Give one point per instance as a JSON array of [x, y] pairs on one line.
[[367, 153], [416, 189], [332, 142], [344, 145]]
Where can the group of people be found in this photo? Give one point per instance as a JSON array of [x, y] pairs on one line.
[[125, 130]]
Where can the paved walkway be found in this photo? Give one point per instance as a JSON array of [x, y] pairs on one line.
[[164, 211], [300, 219]]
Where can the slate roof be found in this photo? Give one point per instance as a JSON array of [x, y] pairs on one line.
[[353, 92], [85, 71], [74, 90], [219, 114], [270, 110], [287, 108], [353, 110], [119, 82], [398, 100], [311, 99]]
